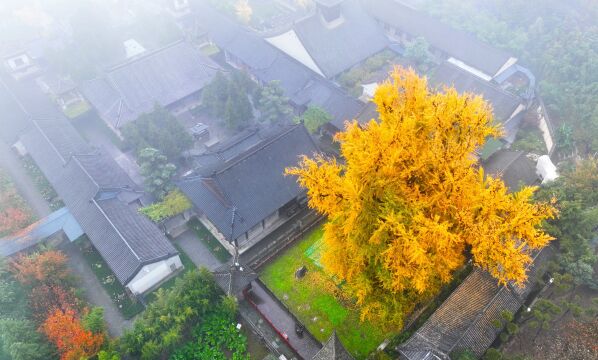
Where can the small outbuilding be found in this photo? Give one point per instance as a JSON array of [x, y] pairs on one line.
[[546, 169]]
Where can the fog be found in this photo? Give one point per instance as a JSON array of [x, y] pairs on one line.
[[143, 139]]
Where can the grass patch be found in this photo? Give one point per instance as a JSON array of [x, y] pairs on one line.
[[168, 284], [318, 301], [209, 50], [77, 109], [42, 184], [115, 290], [352, 80], [209, 240]]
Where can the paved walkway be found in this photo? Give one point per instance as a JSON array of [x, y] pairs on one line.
[[11, 163], [265, 332], [197, 251], [94, 292], [282, 321]]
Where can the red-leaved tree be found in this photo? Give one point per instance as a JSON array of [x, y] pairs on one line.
[[49, 268], [65, 331], [46, 299], [12, 219]]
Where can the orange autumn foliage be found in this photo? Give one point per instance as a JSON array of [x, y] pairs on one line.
[[46, 299], [49, 267], [65, 331], [12, 219], [409, 201]]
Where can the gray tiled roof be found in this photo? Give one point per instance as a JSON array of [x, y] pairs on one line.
[[142, 235], [163, 76], [338, 48], [465, 319], [253, 185], [503, 103], [459, 44], [21, 101], [89, 182], [513, 167], [333, 349], [301, 85]]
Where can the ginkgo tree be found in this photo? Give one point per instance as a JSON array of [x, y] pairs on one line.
[[408, 205]]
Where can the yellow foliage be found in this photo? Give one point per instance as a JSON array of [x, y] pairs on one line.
[[409, 200], [243, 10]]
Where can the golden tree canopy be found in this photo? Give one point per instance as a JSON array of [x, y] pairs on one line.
[[409, 202]]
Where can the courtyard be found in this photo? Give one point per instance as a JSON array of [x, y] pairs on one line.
[[317, 300]]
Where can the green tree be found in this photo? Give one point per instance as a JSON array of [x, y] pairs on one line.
[[215, 94], [158, 129], [94, 320], [542, 314], [313, 118], [463, 355], [273, 105], [19, 340], [228, 98], [157, 171], [418, 51], [576, 193], [108, 355], [237, 109], [173, 313], [11, 295]]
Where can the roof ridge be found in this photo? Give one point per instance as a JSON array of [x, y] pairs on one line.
[[252, 151], [98, 189], [143, 56], [490, 84], [45, 136]]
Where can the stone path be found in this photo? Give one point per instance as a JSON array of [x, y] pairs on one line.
[[94, 292], [197, 251], [265, 332], [10, 162]]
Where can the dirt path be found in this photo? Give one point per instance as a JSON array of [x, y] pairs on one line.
[[10, 162]]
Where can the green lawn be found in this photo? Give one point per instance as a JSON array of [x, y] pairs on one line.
[[209, 240], [317, 301], [77, 109], [115, 290]]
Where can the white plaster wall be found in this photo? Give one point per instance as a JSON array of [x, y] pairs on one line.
[[152, 274]]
